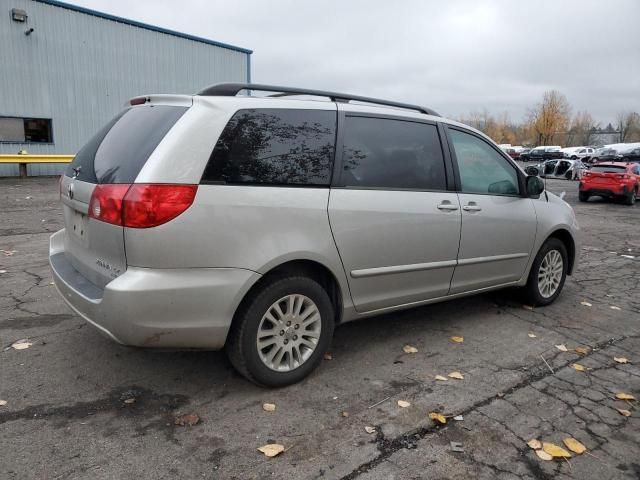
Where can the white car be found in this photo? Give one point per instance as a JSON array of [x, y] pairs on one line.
[[582, 153]]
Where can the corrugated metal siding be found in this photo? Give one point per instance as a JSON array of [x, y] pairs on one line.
[[79, 69]]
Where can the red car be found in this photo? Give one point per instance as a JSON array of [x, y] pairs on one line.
[[612, 180]]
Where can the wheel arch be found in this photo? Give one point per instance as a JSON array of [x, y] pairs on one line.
[[311, 268], [567, 239]]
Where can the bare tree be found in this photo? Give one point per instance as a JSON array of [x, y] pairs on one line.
[[628, 125], [550, 117], [582, 129]]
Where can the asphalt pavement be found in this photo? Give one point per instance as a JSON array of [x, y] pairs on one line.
[[80, 406]]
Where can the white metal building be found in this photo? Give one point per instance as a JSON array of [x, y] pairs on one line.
[[66, 70]]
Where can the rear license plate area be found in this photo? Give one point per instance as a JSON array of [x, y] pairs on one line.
[[79, 225]]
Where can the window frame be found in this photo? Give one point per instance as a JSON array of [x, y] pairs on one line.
[[204, 181], [338, 171], [28, 142], [510, 162]]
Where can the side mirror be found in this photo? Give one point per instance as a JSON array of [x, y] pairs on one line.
[[535, 186], [531, 170]]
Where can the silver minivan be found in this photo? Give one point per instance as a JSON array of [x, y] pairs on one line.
[[259, 223]]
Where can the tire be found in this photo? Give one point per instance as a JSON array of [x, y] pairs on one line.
[[630, 199], [532, 293], [573, 157], [583, 196], [242, 348]]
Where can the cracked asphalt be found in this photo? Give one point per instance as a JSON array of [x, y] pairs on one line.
[[70, 413]]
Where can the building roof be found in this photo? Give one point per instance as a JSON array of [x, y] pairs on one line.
[[146, 26]]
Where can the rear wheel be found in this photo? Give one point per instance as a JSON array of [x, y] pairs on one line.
[[548, 273], [630, 199], [583, 196], [281, 333]]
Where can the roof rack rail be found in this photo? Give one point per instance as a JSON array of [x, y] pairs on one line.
[[232, 89]]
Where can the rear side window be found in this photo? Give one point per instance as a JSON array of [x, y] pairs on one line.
[[117, 153], [275, 147], [384, 153]]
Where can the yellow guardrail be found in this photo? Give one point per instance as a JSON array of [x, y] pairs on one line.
[[25, 159]]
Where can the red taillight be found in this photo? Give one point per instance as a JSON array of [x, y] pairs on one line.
[[106, 203], [150, 205], [140, 205], [586, 173]]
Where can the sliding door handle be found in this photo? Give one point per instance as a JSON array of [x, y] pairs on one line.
[[471, 208]]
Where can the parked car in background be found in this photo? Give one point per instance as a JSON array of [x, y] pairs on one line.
[[560, 168], [611, 180], [511, 152], [604, 154], [539, 154], [258, 224], [582, 153], [631, 155]]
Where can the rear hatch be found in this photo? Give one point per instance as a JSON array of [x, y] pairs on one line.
[[606, 174], [109, 162]]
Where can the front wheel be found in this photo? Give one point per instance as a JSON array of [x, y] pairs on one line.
[[548, 273], [583, 196], [282, 331]]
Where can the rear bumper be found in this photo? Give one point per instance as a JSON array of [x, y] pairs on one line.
[[170, 308], [604, 190]]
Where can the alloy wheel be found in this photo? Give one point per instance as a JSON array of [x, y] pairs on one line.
[[550, 273]]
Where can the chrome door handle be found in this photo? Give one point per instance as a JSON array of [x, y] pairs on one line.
[[446, 205], [471, 208]]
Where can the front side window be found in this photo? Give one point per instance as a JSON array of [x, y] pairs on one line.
[[25, 130], [275, 147], [392, 154], [482, 168]]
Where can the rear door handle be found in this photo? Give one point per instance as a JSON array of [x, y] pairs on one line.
[[471, 207], [447, 205]]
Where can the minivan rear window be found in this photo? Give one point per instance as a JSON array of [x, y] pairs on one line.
[[117, 153], [275, 147]]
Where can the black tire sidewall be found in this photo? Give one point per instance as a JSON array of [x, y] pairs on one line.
[[252, 315], [532, 290]]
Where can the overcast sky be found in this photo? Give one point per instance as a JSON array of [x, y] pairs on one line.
[[455, 56]]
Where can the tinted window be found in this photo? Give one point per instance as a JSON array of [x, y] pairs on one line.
[[608, 169], [275, 146], [117, 153], [392, 154], [25, 130], [482, 168]]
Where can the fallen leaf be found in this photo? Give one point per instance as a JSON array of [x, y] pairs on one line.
[[369, 429], [625, 396], [130, 400], [534, 443], [586, 304], [458, 418], [613, 307], [562, 347], [21, 345], [403, 404], [441, 378], [272, 449], [328, 356], [345, 414], [543, 455], [3, 271], [532, 335], [457, 339], [607, 295], [555, 451], [627, 256], [578, 367], [409, 349], [188, 420], [621, 359], [582, 350], [574, 445], [438, 417], [456, 375], [269, 407], [9, 253], [622, 411], [527, 307], [3, 403]]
